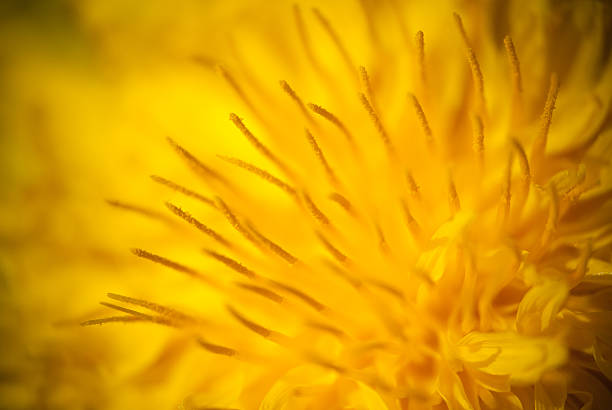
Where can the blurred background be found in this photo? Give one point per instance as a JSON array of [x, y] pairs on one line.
[[88, 92]]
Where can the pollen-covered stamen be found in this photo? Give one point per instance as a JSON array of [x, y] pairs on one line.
[[126, 310], [266, 333], [369, 18], [413, 225], [166, 321], [235, 223], [377, 123], [335, 39], [273, 246], [420, 48], [334, 251], [453, 198], [478, 139], [165, 262], [114, 319], [298, 101], [524, 169], [217, 349], [343, 202], [262, 174], [339, 333], [383, 245], [183, 190], [261, 291], [162, 310], [315, 211], [321, 157], [265, 151], [422, 120], [582, 265], [229, 79], [367, 86], [232, 264], [474, 65], [333, 119], [517, 82], [195, 164], [551, 221], [506, 193], [413, 187], [539, 144], [197, 224], [149, 213], [309, 300], [304, 38]]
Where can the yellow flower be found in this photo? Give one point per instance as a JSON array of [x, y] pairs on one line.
[[407, 208]]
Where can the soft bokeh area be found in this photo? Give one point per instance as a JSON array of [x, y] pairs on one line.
[[90, 91]]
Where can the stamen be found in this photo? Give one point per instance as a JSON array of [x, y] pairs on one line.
[[162, 310], [478, 133], [285, 86], [387, 288], [328, 329], [367, 86], [257, 144], [342, 201], [195, 164], [413, 225], [229, 215], [149, 213], [422, 120], [335, 38], [262, 331], [420, 46], [507, 193], [199, 225], [113, 319], [165, 262], [309, 300], [453, 198], [217, 349], [231, 263], [315, 146], [474, 65], [237, 89], [315, 211], [583, 263], [303, 34], [262, 174], [414, 189], [514, 65], [183, 190], [367, 13], [274, 247], [267, 293], [377, 123], [382, 241], [331, 118], [539, 144], [523, 162], [553, 216], [126, 310], [339, 256]]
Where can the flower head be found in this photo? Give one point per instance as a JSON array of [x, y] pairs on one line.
[[417, 215]]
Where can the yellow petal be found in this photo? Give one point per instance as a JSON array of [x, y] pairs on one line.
[[540, 306], [523, 358]]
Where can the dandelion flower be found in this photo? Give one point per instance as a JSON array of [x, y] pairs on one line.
[[411, 210]]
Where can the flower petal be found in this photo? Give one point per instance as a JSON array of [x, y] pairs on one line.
[[523, 358]]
